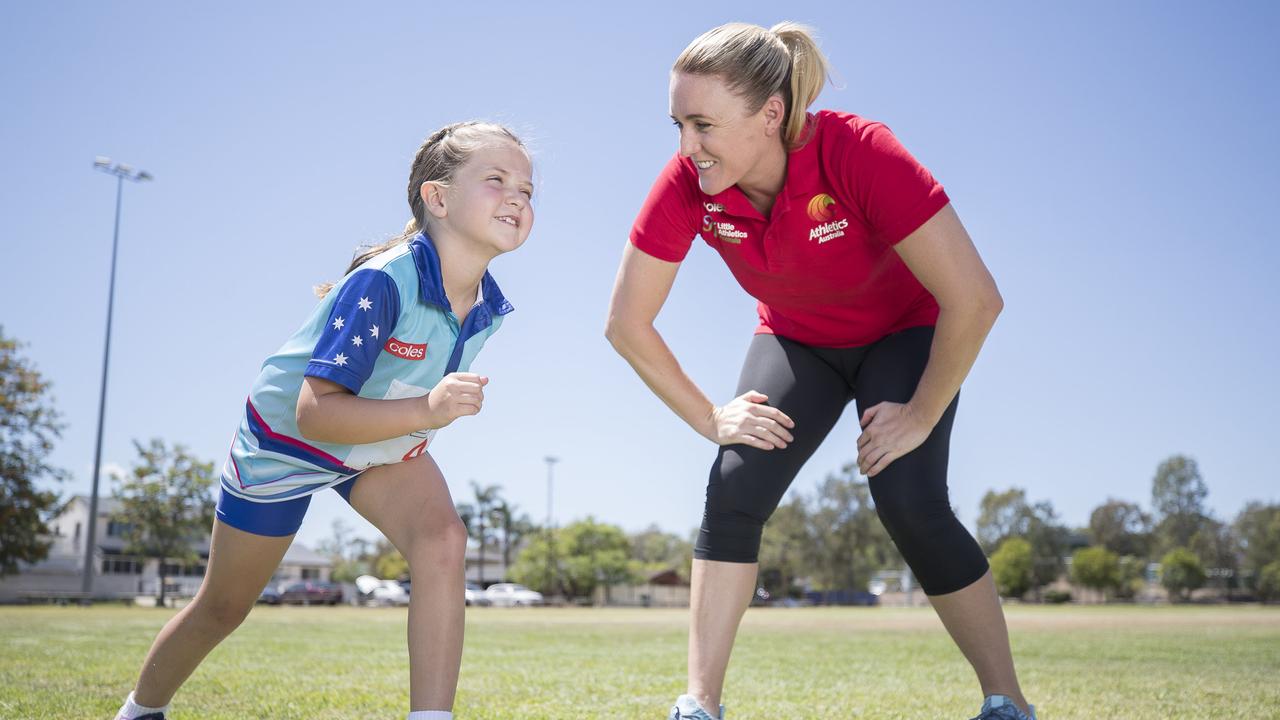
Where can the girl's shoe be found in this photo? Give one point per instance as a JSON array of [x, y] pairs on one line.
[[1000, 707]]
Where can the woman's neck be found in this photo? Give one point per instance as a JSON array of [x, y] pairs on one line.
[[764, 181]]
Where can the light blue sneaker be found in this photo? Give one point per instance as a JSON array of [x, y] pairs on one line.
[[1000, 707], [686, 708]]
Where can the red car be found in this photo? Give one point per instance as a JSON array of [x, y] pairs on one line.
[[312, 593]]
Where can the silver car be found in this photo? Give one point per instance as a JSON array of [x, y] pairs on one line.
[[512, 595]]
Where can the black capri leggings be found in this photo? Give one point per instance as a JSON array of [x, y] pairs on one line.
[[812, 385]]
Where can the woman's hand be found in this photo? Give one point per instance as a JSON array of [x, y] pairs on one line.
[[889, 431], [456, 394], [746, 420]]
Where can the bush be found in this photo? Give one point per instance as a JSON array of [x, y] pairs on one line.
[[1012, 567], [1181, 572], [1057, 597], [1133, 577], [1095, 567]]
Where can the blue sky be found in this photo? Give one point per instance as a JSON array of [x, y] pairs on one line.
[[1115, 164]]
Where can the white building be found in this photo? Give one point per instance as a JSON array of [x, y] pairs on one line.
[[120, 576]]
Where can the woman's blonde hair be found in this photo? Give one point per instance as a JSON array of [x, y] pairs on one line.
[[757, 63], [436, 161]]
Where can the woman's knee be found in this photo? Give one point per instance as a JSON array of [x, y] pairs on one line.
[[221, 613]]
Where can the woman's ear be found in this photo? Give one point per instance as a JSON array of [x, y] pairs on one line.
[[433, 199], [775, 111]]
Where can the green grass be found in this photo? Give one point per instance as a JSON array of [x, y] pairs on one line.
[[1075, 662]]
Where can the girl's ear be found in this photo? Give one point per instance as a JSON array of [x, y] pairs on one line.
[[433, 199]]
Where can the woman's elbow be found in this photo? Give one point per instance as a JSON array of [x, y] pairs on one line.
[[618, 332]]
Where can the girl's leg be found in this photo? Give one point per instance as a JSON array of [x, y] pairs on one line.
[[745, 487], [410, 503], [912, 500], [240, 564]]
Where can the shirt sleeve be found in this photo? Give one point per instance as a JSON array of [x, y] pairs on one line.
[[362, 318], [671, 215], [895, 192]]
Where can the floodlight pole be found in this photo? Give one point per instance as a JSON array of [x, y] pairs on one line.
[[551, 537], [121, 172]]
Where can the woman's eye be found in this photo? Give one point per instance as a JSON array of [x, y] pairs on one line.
[[702, 126]]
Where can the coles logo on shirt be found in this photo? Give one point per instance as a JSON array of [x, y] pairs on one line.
[[725, 232], [406, 351]]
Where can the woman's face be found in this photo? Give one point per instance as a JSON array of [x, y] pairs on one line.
[[717, 130]]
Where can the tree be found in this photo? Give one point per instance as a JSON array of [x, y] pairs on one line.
[[479, 518], [388, 563], [1258, 529], [1177, 495], [1269, 581], [653, 550], [28, 426], [1002, 515], [346, 552], [787, 547], [1133, 577], [1011, 566], [1097, 568], [1121, 527], [849, 542], [513, 527], [588, 553], [1008, 514], [1181, 573], [166, 505]]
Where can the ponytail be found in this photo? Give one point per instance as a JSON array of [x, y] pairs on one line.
[[807, 78]]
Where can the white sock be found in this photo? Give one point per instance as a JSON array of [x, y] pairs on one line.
[[131, 709], [430, 715]]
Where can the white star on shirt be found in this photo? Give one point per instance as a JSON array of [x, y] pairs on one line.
[[364, 303], [373, 331], [338, 323], [357, 341], [340, 359]]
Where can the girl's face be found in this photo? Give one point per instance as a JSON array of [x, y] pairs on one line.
[[488, 201], [717, 131]]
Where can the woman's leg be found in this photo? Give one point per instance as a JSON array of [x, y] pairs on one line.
[[912, 500], [240, 564], [410, 503], [745, 487]]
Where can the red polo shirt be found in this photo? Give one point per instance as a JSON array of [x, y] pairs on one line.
[[822, 264]]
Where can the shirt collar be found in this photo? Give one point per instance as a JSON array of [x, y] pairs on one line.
[[431, 281]]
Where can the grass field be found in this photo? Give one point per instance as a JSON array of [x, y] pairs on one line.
[[1075, 662]]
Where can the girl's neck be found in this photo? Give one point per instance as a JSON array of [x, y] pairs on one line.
[[461, 270], [763, 182]]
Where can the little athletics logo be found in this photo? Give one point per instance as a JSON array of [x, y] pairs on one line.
[[406, 351], [723, 231]]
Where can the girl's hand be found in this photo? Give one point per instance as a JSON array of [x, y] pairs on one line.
[[746, 420], [456, 394], [889, 431]]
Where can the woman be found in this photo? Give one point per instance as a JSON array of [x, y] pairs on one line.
[[869, 289]]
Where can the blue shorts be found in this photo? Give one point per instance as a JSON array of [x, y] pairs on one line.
[[273, 519]]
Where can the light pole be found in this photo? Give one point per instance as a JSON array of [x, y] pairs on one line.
[[122, 172], [551, 538]]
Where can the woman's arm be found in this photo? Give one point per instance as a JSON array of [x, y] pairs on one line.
[[329, 412], [944, 260], [639, 293]]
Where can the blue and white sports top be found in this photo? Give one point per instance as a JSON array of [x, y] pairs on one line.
[[386, 332]]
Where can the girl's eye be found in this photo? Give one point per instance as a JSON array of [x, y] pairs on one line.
[[528, 193]]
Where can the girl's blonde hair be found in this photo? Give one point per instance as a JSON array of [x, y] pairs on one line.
[[757, 63], [436, 161]]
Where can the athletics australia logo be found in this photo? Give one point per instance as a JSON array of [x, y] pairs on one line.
[[821, 210]]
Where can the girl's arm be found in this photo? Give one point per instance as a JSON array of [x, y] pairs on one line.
[[329, 412], [639, 293], [944, 260]]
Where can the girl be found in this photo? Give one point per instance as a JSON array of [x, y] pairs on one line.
[[869, 290], [351, 402]]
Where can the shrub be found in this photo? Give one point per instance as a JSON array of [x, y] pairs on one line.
[[1012, 567], [1269, 581], [1181, 572]]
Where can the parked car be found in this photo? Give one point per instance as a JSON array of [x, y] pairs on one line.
[[475, 595], [512, 595], [312, 593], [381, 593], [270, 595]]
